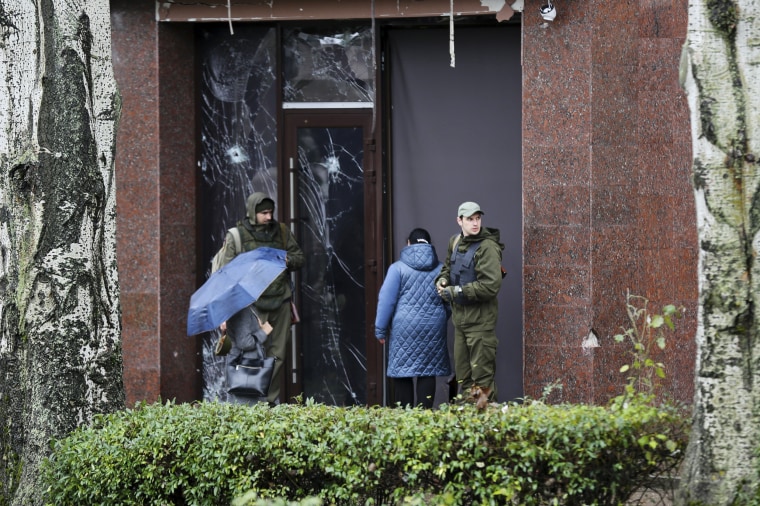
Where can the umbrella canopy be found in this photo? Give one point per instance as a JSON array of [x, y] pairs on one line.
[[233, 287]]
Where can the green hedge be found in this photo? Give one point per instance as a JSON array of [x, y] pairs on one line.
[[212, 453]]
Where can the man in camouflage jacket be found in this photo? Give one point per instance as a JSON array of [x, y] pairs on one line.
[[257, 229], [470, 280]]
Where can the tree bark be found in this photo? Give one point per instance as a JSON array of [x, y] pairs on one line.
[[60, 328], [720, 71]]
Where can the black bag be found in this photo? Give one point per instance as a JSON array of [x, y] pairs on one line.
[[250, 377]]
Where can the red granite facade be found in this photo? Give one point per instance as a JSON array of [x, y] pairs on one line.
[[155, 166], [607, 193], [607, 198]]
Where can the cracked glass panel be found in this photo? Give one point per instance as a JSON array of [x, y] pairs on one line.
[[328, 66], [239, 156], [331, 212], [238, 145]]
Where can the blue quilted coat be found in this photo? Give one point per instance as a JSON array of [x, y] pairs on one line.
[[412, 317]]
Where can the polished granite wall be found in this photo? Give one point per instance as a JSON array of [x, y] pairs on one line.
[[607, 199], [155, 200], [608, 204]]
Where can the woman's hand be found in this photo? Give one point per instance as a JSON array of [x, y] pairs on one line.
[[265, 326]]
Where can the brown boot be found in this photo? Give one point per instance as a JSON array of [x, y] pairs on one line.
[[480, 396]]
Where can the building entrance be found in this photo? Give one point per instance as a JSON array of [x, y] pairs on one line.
[[299, 120]]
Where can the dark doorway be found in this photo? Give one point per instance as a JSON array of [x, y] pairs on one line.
[[456, 136]]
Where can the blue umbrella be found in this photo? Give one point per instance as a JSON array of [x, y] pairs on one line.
[[233, 287]]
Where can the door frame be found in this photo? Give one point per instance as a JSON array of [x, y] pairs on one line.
[[373, 238]]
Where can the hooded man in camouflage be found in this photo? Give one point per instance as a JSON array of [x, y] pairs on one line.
[[259, 228], [470, 280]]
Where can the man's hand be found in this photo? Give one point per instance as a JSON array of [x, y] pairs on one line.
[[440, 285], [449, 293]]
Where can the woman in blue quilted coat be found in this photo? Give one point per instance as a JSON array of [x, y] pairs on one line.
[[412, 318]]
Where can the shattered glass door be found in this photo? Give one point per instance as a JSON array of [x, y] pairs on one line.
[[331, 70], [330, 190]]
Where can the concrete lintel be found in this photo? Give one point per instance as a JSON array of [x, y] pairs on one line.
[[283, 10]]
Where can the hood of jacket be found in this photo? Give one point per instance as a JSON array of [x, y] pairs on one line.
[[421, 257], [254, 199], [485, 234]]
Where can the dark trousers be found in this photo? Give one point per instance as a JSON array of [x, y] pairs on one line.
[[404, 391]]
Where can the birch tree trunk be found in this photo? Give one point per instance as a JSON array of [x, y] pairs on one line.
[[720, 71], [60, 347]]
